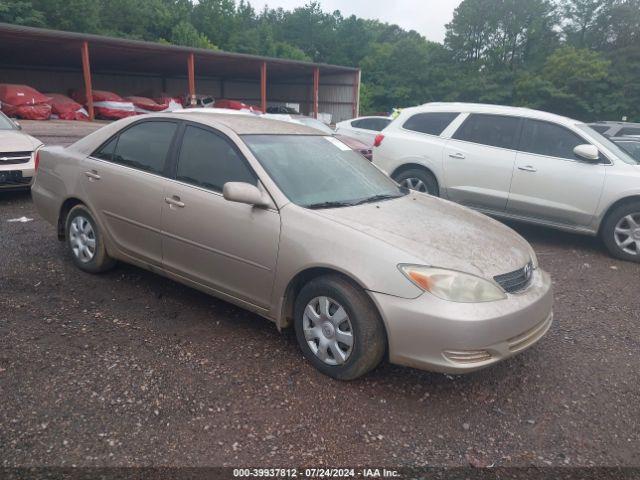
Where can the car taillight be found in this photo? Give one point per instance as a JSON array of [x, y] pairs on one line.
[[36, 160], [378, 140]]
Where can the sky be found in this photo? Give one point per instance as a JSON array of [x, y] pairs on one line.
[[425, 16]]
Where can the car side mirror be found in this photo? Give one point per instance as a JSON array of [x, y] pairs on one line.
[[587, 152], [18, 126], [242, 192]]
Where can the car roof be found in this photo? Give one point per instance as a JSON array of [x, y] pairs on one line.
[[615, 123], [626, 138], [240, 124], [245, 124], [490, 109]]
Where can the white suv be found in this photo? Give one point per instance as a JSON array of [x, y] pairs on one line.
[[518, 163]]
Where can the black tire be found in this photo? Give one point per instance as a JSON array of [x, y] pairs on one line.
[[100, 261], [608, 233], [369, 336], [428, 180]]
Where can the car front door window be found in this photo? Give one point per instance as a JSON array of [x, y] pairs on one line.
[[544, 138], [226, 246]]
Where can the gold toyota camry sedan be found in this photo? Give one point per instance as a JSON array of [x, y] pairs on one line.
[[290, 223]]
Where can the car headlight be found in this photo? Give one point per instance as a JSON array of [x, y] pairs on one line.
[[452, 285]]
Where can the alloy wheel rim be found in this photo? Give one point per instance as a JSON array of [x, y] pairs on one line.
[[413, 183], [328, 330], [627, 234], [82, 239]]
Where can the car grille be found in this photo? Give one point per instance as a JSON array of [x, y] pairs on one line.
[[13, 158], [517, 281]]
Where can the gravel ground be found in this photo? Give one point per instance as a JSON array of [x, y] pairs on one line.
[[128, 369]]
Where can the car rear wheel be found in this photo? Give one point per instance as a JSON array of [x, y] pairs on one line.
[[85, 241], [338, 328], [621, 232], [419, 180]]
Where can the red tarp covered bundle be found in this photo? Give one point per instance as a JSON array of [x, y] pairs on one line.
[[235, 105], [173, 103], [24, 102], [146, 105], [65, 108], [107, 105]]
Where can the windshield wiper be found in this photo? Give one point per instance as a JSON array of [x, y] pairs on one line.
[[377, 198], [334, 204]]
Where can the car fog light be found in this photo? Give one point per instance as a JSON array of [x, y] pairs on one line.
[[467, 356]]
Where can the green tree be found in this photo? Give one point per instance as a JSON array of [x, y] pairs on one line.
[[573, 82], [21, 12], [184, 33], [502, 33]]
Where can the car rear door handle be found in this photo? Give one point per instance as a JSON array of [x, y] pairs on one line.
[[527, 168], [457, 155], [174, 201], [92, 175]]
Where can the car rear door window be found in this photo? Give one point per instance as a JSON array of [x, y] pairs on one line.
[[373, 124], [144, 146], [544, 138], [209, 160], [432, 123], [492, 130]]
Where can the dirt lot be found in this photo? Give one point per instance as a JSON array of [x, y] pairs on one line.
[[128, 368]]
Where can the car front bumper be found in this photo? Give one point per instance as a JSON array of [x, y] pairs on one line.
[[16, 176], [437, 335]]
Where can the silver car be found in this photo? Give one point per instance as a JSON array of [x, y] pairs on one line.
[[293, 225], [520, 164]]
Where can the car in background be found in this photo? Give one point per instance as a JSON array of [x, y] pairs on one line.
[[354, 144], [616, 129], [631, 145], [364, 129], [283, 220], [519, 164], [18, 155]]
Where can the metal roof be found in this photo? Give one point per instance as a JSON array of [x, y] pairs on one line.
[[22, 46]]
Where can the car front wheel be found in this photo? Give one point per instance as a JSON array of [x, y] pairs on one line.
[[338, 328], [419, 180], [85, 242], [621, 232]]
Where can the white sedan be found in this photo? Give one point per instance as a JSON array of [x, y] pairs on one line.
[[364, 129], [17, 155]]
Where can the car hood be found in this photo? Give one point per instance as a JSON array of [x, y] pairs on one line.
[[16, 141], [439, 233]]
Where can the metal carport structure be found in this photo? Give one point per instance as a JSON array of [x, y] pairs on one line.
[[52, 60]]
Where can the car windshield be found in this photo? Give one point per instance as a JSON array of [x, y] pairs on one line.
[[5, 123], [620, 153], [631, 147], [320, 171]]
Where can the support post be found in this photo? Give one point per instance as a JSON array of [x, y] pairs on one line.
[[316, 88], [86, 73], [356, 93], [263, 87], [192, 79]]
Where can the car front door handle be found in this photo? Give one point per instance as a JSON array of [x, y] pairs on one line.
[[457, 155], [92, 175], [527, 168], [174, 202]]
